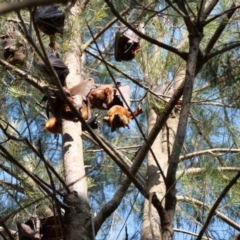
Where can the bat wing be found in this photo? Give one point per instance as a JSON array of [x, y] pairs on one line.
[[46, 12], [83, 88], [125, 93], [123, 30], [56, 62]]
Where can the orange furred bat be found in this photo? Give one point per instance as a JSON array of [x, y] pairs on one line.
[[53, 125], [50, 19], [101, 98], [84, 110], [118, 116]]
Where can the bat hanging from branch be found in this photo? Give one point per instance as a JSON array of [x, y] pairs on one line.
[[102, 96], [14, 47], [127, 43], [50, 19], [58, 65], [118, 116], [57, 106], [61, 110], [106, 96]]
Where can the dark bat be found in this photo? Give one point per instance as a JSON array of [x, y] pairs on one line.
[[127, 43], [118, 116], [60, 68], [57, 106], [14, 48], [50, 19], [58, 65], [92, 122], [60, 109]]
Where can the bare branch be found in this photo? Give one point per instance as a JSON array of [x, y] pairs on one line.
[[112, 205], [124, 161], [5, 218], [215, 205], [209, 8], [192, 171], [12, 186], [33, 81], [200, 11], [190, 233], [9, 7], [219, 31], [225, 48], [118, 148], [219, 15], [8, 170], [181, 13], [209, 151], [217, 213], [141, 154], [20, 166]]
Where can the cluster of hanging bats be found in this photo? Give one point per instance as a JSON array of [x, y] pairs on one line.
[[114, 98]]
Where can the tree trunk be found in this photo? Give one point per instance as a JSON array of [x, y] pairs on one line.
[[77, 215], [162, 148]]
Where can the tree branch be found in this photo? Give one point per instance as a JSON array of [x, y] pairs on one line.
[[209, 151], [20, 166], [219, 15], [217, 213], [33, 81], [5, 218], [124, 161], [9, 7], [209, 9], [194, 42], [215, 205], [219, 31], [16, 187], [190, 233], [112, 205], [224, 49], [201, 170]]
